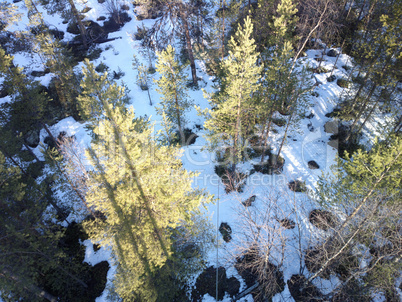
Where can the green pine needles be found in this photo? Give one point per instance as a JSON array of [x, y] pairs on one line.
[[172, 87]]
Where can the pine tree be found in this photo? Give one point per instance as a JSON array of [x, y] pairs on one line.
[[143, 193], [367, 189], [28, 253], [55, 58], [97, 91], [143, 76], [283, 88], [9, 15], [233, 116], [173, 90]]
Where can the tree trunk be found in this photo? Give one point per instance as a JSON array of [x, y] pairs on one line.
[[149, 96], [35, 290], [183, 17], [349, 219], [79, 22], [361, 111], [284, 136], [265, 137], [223, 31], [236, 136]]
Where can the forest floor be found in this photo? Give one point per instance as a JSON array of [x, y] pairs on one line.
[[273, 198]]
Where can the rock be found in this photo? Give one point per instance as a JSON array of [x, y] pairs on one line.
[[32, 138], [40, 73], [310, 127], [226, 231], [331, 127], [331, 78], [313, 165], [334, 144], [332, 53], [58, 34]]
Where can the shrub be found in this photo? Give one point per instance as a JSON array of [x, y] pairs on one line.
[[323, 219], [94, 54], [251, 268], [287, 223], [206, 284], [141, 33], [280, 122], [297, 186], [272, 166], [302, 292], [343, 83], [117, 75], [101, 68]]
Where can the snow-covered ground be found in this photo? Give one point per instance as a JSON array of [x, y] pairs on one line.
[[308, 143]]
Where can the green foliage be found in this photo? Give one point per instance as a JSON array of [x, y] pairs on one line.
[[9, 15], [98, 90], [382, 163], [233, 116], [172, 87], [343, 83], [284, 25], [43, 256], [145, 195], [143, 75], [101, 68]]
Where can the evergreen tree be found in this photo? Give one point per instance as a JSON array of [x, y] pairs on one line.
[[367, 188], [173, 90], [97, 91], [143, 76], [55, 58], [32, 264], [283, 87], [9, 15], [144, 195], [233, 116]]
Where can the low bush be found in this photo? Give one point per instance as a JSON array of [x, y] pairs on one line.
[[343, 83], [322, 219], [297, 186]]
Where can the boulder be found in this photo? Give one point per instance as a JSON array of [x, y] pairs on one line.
[[332, 53], [334, 144], [313, 165], [331, 127], [32, 138]]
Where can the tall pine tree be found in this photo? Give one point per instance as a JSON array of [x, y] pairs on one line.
[[173, 90], [233, 116], [142, 193]]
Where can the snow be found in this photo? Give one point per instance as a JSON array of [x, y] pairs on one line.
[[300, 148]]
